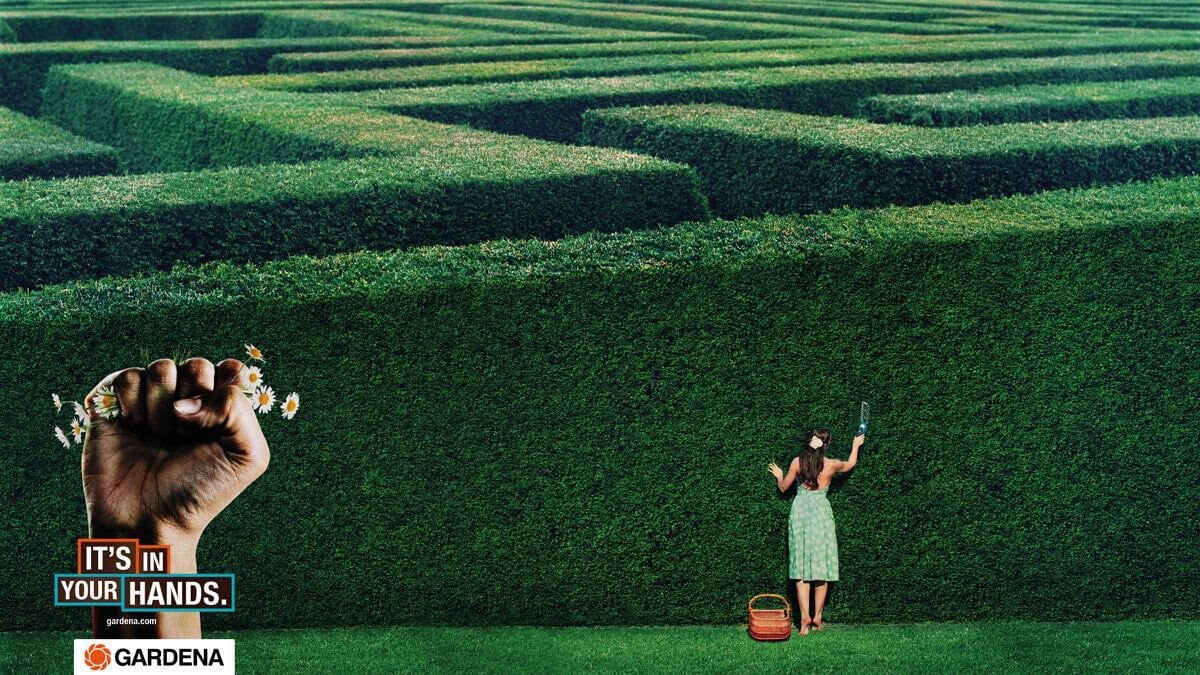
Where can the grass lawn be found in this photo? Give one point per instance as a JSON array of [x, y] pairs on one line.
[[1128, 646]]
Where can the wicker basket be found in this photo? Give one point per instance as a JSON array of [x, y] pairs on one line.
[[770, 624]]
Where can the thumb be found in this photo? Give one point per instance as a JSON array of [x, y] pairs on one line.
[[218, 410], [227, 411]]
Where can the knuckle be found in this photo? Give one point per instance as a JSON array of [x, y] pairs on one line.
[[196, 366], [162, 370], [130, 377]]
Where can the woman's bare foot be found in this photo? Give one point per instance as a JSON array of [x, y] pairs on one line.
[[817, 623], [804, 624]]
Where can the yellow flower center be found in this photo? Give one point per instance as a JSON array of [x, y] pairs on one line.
[[291, 405], [106, 400], [254, 377], [263, 398]]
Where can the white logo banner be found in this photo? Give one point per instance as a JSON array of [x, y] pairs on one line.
[[182, 657]]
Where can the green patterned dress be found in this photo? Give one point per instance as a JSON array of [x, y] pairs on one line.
[[812, 538]]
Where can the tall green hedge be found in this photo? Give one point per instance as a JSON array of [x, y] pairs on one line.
[[695, 60], [1000, 21], [61, 230], [524, 27], [578, 432], [23, 66], [438, 184], [32, 148], [1040, 102], [383, 58], [341, 23], [551, 109], [585, 13], [618, 18], [763, 161], [7, 34], [73, 26], [847, 10], [168, 120]]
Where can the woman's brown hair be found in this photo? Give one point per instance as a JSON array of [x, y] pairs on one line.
[[812, 460]]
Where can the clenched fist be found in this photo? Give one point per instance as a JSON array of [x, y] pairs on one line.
[[186, 443]]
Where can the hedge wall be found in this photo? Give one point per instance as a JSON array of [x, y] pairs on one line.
[[309, 23], [383, 58], [1039, 102], [578, 432], [85, 228], [525, 70], [1001, 21], [762, 161], [163, 119], [23, 66], [851, 11], [871, 49], [552, 108], [137, 25], [439, 184], [339, 23], [519, 27], [7, 34], [620, 19], [567, 12], [31, 148]]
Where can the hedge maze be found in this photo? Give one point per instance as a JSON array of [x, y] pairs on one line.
[[560, 277]]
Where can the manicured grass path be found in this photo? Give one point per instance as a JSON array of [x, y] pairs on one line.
[[1016, 647]]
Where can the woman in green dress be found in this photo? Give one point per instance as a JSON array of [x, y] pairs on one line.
[[812, 538]]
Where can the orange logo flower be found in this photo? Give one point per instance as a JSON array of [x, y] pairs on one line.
[[97, 657]]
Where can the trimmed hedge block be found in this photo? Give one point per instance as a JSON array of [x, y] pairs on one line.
[[732, 12], [138, 25], [301, 62], [873, 49], [630, 20], [617, 398], [341, 23], [432, 183], [32, 148], [756, 56], [552, 109], [23, 66], [759, 161], [7, 34], [1041, 102], [57, 231], [849, 11]]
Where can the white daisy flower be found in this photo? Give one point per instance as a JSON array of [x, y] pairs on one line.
[[57, 401], [255, 353], [78, 426], [290, 405], [252, 378], [62, 438], [264, 400], [80, 411], [105, 403]]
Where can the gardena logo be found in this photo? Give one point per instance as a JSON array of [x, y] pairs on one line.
[[154, 656], [97, 657]]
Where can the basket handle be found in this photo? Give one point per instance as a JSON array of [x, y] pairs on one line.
[[786, 605]]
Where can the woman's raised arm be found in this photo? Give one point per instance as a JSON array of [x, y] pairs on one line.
[[785, 482]]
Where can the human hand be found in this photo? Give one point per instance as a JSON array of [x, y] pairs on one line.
[[775, 471], [186, 443], [859, 440]]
